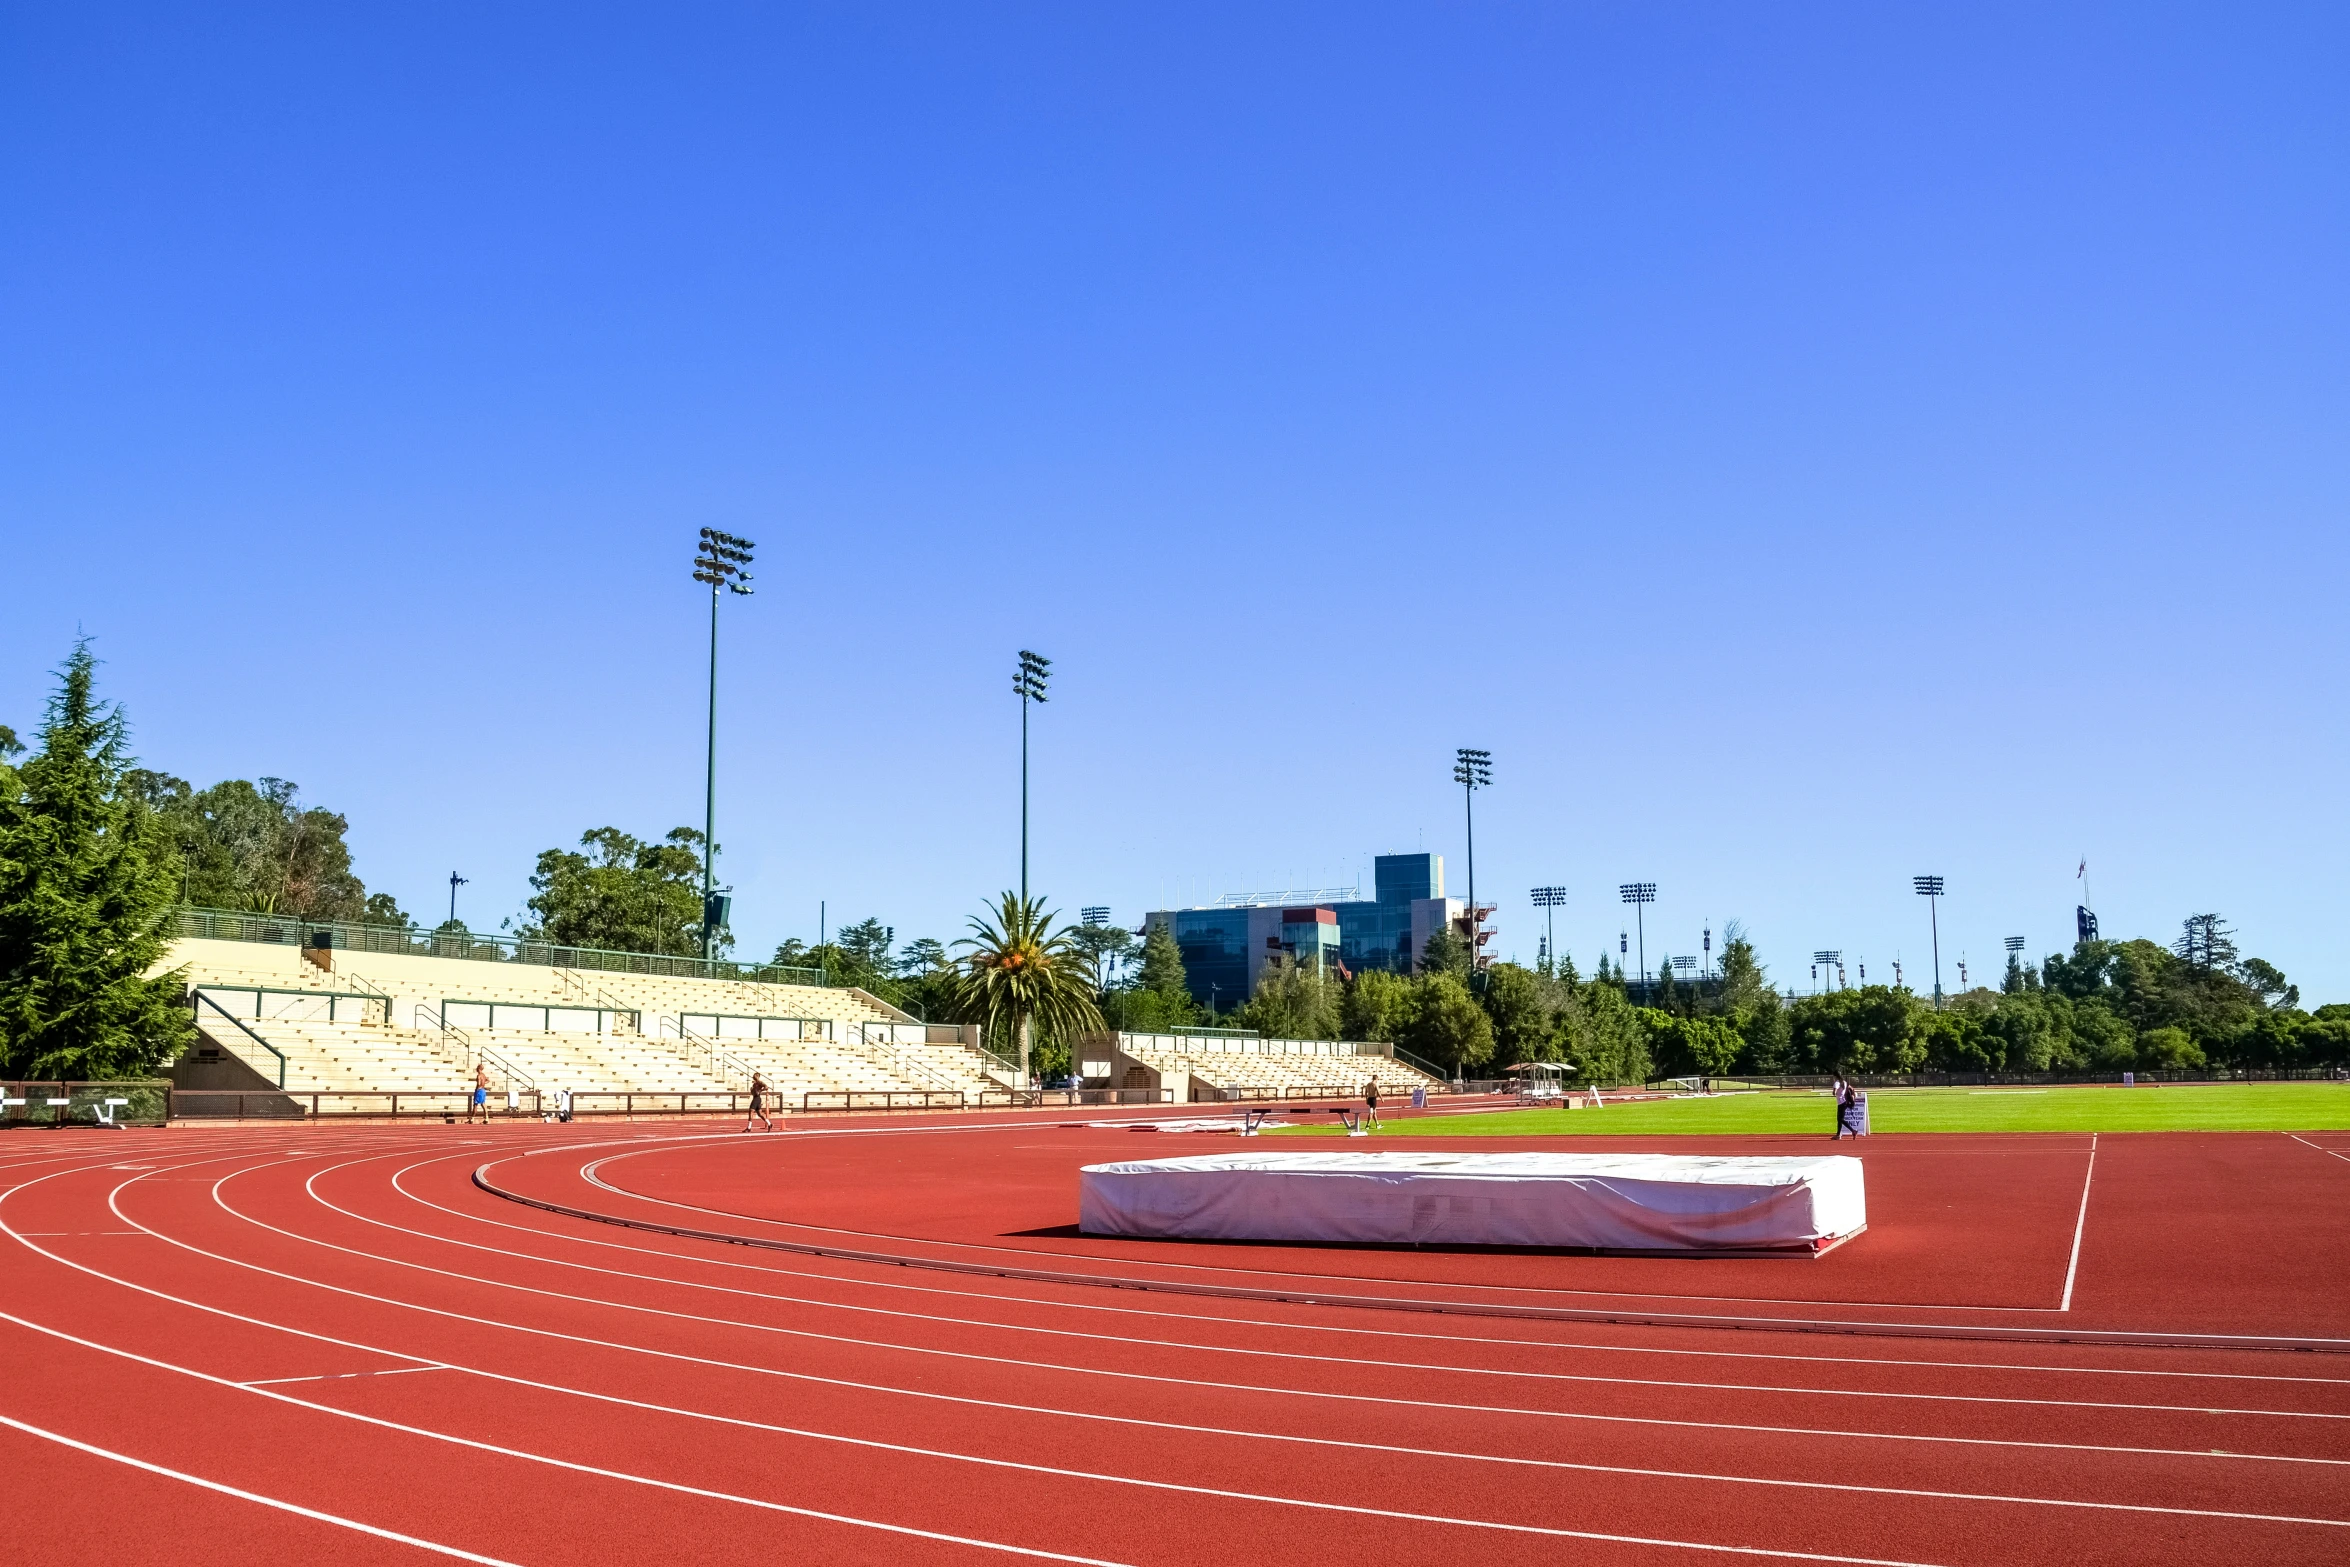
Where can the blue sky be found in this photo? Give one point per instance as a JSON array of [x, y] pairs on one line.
[[1807, 446]]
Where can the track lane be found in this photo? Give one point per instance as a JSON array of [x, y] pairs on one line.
[[1194, 1462]]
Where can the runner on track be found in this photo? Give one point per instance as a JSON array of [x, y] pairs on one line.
[[481, 1094], [1371, 1100], [758, 1103]]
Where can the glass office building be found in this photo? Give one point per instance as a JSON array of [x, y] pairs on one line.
[[1225, 945]]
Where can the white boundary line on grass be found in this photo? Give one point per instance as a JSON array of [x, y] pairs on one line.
[[2080, 1227]]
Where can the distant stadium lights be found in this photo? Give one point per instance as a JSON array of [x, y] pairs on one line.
[[1639, 894], [1028, 684], [1096, 915], [2015, 943], [1547, 899], [1823, 960], [1472, 769], [721, 560], [1035, 673], [1930, 887]]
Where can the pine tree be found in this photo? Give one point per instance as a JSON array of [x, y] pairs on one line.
[[87, 881], [1162, 962]]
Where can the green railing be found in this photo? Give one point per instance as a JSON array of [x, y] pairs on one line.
[[417, 942], [198, 1001]]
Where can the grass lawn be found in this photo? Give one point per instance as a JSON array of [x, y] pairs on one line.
[[2225, 1107]]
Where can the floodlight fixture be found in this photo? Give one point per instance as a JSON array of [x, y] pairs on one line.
[[2015, 943], [1028, 684], [1930, 888], [1473, 770], [722, 560], [1640, 894], [1096, 915], [1546, 899], [455, 881]]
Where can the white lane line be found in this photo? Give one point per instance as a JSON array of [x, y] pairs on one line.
[[310, 1187], [601, 1473], [296, 1508], [347, 1376], [1149, 1484], [2320, 1147], [2080, 1227], [1252, 1389], [1010, 1299]]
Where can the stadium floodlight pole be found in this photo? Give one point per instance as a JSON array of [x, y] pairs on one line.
[[1822, 961], [1036, 671], [1547, 899], [1640, 894], [455, 881], [722, 560], [1473, 770], [1930, 889]]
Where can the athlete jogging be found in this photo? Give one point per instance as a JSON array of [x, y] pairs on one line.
[[481, 1094], [758, 1103], [1371, 1101]]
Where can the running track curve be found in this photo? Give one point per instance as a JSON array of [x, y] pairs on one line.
[[272, 1344]]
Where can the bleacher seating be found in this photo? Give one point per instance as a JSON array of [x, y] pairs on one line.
[[1276, 1073], [640, 1047]]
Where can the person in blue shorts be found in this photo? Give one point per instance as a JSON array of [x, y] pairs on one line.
[[481, 1094]]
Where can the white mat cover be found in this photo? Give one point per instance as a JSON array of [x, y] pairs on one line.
[[1599, 1201]]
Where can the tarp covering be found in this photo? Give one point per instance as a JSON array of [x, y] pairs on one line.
[[1594, 1201]]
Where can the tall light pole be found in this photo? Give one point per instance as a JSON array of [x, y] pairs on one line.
[[723, 561], [455, 881], [1930, 889], [1473, 770], [2015, 956], [1547, 899], [1825, 960], [1708, 971], [1035, 672], [1640, 894]]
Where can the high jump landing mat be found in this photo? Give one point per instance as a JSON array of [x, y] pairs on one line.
[[1610, 1203]]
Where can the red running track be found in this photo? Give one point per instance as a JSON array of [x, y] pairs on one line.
[[272, 1344]]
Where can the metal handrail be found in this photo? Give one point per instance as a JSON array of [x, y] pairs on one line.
[[471, 1049], [367, 987], [197, 1001], [415, 941], [893, 1060], [724, 1064], [604, 1001], [1422, 1064]]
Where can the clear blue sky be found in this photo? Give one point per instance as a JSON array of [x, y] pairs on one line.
[[1806, 445]]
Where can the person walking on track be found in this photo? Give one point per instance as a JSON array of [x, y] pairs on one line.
[[758, 1104], [1371, 1101], [481, 1094]]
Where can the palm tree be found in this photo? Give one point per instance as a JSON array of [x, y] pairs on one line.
[[1021, 974]]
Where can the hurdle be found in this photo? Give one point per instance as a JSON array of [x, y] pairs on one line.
[[106, 1111]]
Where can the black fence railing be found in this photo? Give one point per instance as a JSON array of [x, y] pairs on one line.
[[326, 1104], [415, 941]]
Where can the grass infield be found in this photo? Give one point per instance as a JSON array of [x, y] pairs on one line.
[[2215, 1107]]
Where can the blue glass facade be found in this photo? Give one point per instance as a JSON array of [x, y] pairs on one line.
[[1225, 947]]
